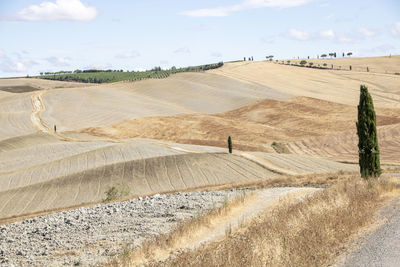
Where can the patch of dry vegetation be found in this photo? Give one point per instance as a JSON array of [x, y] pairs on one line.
[[188, 230], [307, 233]]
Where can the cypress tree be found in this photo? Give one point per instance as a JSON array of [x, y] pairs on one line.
[[230, 144], [368, 149]]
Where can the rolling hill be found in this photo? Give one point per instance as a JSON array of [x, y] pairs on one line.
[[169, 134]]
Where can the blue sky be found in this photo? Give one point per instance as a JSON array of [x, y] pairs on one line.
[[38, 35]]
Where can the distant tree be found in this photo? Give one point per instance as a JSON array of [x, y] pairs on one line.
[[41, 73], [324, 64], [350, 67], [249, 58], [368, 148], [367, 69], [288, 62], [343, 54], [303, 62], [323, 55], [252, 59], [317, 56], [310, 63], [230, 144], [308, 57], [244, 59], [349, 54], [334, 54]]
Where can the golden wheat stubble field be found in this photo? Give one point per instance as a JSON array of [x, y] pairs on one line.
[[169, 134]]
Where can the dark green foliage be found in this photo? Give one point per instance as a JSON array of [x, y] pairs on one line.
[[368, 149], [303, 62], [230, 144], [106, 76]]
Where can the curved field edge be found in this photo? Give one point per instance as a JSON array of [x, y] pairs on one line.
[[147, 176]]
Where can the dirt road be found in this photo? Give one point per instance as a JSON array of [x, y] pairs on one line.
[[382, 247]]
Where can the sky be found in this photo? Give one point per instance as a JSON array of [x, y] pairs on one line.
[[40, 36]]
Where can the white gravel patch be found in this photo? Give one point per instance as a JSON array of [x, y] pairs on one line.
[[90, 235]]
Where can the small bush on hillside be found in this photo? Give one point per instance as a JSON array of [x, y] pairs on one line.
[[280, 148], [114, 192], [111, 194]]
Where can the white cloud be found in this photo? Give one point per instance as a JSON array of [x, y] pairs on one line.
[[216, 54], [10, 65], [183, 50], [382, 49], [328, 34], [131, 54], [396, 29], [209, 12], [246, 4], [366, 32], [58, 10], [59, 61], [329, 17], [298, 35], [344, 39]]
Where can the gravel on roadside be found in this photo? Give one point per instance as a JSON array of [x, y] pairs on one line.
[[90, 235]]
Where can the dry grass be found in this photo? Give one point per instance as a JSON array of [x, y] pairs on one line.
[[164, 244], [307, 233]]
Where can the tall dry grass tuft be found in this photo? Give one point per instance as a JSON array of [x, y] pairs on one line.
[[165, 244], [307, 233]]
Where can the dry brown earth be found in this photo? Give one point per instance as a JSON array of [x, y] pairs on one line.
[[309, 126]]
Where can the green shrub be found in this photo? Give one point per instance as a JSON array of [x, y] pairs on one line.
[[115, 192]]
